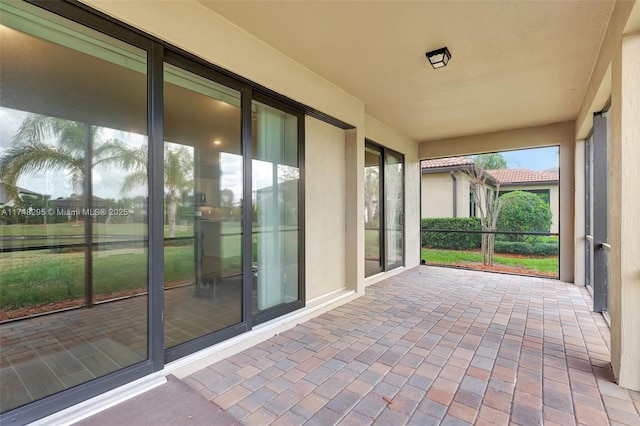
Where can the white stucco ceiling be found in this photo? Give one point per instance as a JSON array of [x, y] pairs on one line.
[[514, 63]]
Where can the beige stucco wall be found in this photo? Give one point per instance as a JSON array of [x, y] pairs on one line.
[[386, 136], [325, 267], [437, 195], [629, 227], [561, 134], [616, 76], [554, 200]]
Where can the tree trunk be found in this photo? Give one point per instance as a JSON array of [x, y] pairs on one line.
[[490, 244], [172, 209], [484, 247]]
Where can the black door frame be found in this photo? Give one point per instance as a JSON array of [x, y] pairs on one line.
[[600, 243]]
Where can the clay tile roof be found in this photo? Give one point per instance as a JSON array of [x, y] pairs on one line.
[[513, 176], [446, 162]]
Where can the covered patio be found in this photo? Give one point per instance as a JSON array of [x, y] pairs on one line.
[[428, 346], [302, 126]]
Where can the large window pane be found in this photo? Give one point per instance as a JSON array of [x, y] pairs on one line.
[[73, 238], [275, 180], [203, 176]]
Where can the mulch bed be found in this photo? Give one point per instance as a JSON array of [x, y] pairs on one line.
[[498, 268]]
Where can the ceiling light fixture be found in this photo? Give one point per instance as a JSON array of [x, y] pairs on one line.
[[439, 58], [217, 142]]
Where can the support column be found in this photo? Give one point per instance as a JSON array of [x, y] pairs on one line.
[[354, 177], [629, 166], [567, 208]]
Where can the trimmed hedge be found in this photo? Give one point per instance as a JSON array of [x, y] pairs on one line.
[[536, 249], [449, 240]]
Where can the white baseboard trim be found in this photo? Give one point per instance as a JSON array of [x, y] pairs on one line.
[[384, 275], [99, 403]]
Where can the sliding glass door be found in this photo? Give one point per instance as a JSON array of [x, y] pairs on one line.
[[203, 191], [151, 205], [73, 235], [218, 282], [384, 209], [276, 214]]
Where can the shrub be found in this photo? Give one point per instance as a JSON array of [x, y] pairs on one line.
[[450, 240], [523, 212], [546, 249], [513, 247], [536, 249]]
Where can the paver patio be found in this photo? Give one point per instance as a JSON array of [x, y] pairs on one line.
[[433, 346]]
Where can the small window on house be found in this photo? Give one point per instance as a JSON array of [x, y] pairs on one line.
[[472, 204]]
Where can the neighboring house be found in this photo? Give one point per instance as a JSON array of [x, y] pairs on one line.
[[545, 184], [74, 206], [447, 187], [6, 200]]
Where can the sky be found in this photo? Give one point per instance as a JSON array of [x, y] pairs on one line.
[[532, 159]]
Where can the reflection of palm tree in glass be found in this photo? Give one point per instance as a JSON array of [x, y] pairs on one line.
[[178, 170], [30, 152]]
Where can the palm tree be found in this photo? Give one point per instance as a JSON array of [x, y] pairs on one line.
[[490, 161], [29, 153], [178, 170]]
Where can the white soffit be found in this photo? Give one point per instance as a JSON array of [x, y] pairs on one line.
[[514, 63]]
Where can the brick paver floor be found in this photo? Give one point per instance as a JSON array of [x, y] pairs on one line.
[[433, 346]]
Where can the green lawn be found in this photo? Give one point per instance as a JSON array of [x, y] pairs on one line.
[[444, 257], [20, 235], [36, 277], [371, 242], [550, 239]]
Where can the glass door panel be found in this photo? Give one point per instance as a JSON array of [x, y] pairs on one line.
[[589, 212], [203, 184], [600, 252], [275, 189], [73, 261], [372, 211], [394, 208]]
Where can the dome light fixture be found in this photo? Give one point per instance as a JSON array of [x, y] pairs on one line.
[[439, 58]]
